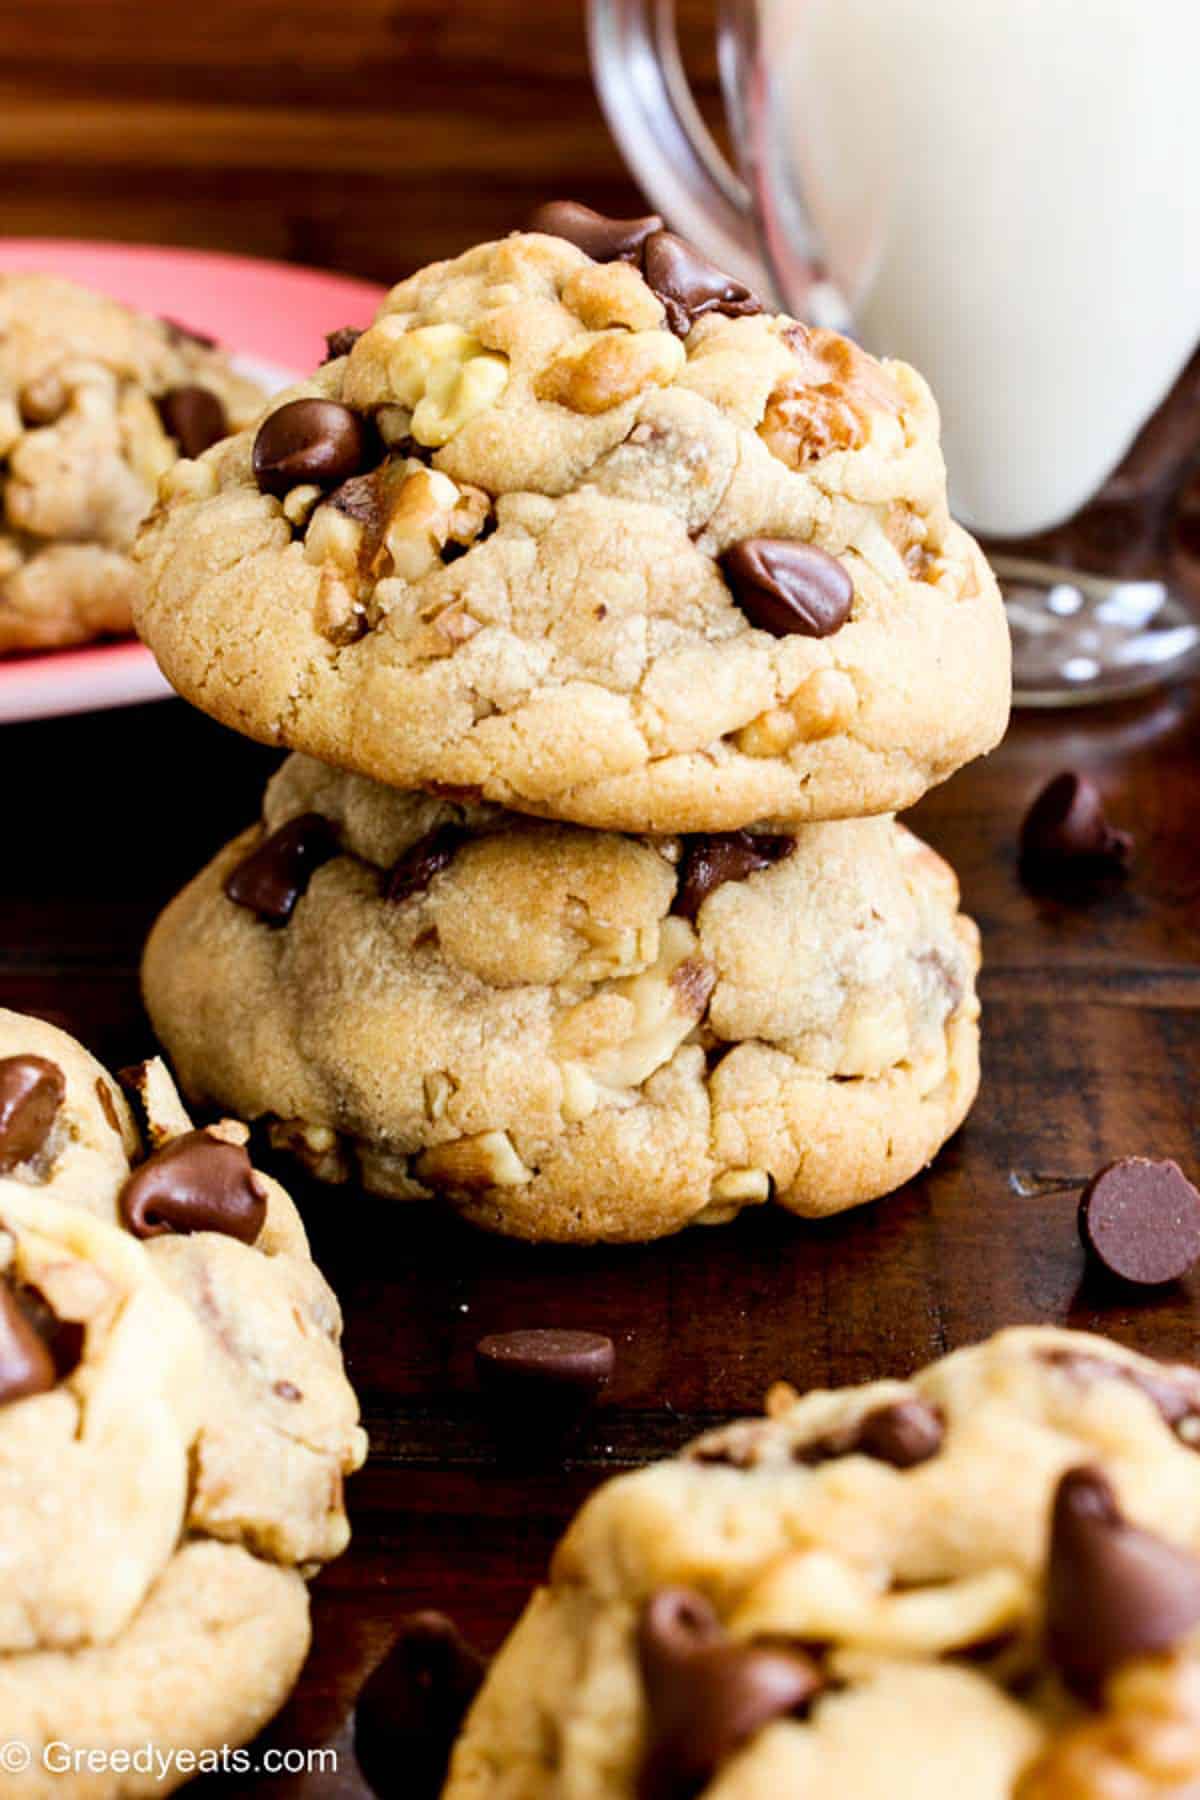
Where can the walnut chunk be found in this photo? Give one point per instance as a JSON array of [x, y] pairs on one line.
[[484, 1161], [828, 402], [594, 374], [606, 294]]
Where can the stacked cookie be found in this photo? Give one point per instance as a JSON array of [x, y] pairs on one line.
[[611, 617]]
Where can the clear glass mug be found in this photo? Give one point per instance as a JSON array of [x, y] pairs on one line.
[[1006, 193]]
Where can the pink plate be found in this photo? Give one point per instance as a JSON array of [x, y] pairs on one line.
[[272, 316]]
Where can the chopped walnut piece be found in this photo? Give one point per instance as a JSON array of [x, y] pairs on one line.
[[593, 374], [828, 402]]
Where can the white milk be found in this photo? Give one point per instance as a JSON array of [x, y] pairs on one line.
[[1008, 191]]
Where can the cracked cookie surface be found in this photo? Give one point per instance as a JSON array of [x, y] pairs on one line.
[[175, 1421], [572, 1035], [879, 1591], [513, 541], [96, 401]]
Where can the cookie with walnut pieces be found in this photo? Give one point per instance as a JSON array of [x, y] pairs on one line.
[[96, 402], [979, 1584], [597, 540], [175, 1421], [567, 1034]]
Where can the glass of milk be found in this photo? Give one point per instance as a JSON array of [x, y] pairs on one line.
[[1005, 193]]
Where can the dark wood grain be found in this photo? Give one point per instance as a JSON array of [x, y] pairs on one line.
[[1092, 1021], [368, 136]]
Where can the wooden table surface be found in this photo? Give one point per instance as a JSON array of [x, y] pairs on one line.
[[1090, 1050], [369, 137]]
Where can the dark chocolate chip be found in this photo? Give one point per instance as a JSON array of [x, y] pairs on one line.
[[272, 878], [317, 441], [788, 588], [194, 417], [706, 1695], [690, 286], [108, 1105], [1140, 1220], [1113, 1591], [411, 1706], [905, 1433], [1066, 835], [601, 238], [540, 1385], [32, 1089], [26, 1363], [197, 1182], [62, 1337], [184, 334], [712, 859], [341, 342], [413, 871]]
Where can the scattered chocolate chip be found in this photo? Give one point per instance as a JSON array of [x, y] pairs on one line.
[[690, 286], [413, 871], [108, 1105], [541, 1385], [788, 588], [1140, 1220], [318, 441], [1113, 1591], [340, 342], [1065, 835], [706, 1695], [26, 1364], [197, 1182], [32, 1089], [712, 859], [601, 238], [411, 1706], [904, 1434], [272, 878], [194, 417], [287, 1390]]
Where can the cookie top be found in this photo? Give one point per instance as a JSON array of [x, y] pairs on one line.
[[96, 401], [980, 1583], [572, 1034], [553, 534], [167, 1349]]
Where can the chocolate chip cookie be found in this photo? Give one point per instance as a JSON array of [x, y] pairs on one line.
[[584, 530], [568, 1034], [175, 1422], [96, 401], [980, 1584]]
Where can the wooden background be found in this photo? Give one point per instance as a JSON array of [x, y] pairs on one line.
[[362, 135], [370, 136]]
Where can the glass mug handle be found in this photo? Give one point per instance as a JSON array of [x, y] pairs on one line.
[[648, 103]]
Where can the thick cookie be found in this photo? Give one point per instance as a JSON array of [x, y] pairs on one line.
[[175, 1422], [96, 401], [525, 539], [572, 1035], [979, 1584]]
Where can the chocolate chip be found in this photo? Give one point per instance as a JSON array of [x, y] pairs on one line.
[[194, 417], [1175, 1392], [712, 859], [108, 1105], [1065, 834], [318, 441], [706, 1695], [272, 878], [26, 1364], [32, 1089], [904, 1434], [540, 1385], [411, 1706], [1140, 1220], [601, 238], [1113, 1591], [413, 871], [788, 588], [197, 1182], [340, 342], [690, 286], [63, 1338]]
